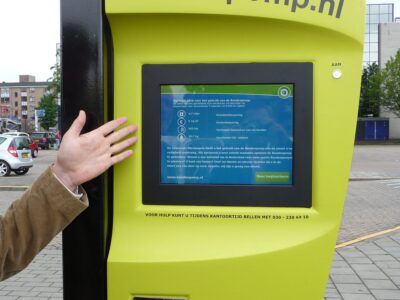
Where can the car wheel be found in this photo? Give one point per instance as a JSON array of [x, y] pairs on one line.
[[22, 171], [35, 153], [4, 168]]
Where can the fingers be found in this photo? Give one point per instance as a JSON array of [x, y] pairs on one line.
[[109, 127], [78, 124], [120, 157], [120, 134], [122, 145]]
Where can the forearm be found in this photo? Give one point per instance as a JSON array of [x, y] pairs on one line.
[[32, 221]]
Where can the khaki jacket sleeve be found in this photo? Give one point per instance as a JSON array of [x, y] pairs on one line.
[[31, 222]]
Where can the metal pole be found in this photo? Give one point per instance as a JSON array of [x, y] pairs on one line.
[[36, 121]]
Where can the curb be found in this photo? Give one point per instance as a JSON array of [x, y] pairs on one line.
[[10, 188], [367, 237]]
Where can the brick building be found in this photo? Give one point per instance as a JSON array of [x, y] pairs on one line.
[[18, 100]]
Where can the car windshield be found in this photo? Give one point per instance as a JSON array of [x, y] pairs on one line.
[[2, 139], [21, 143], [37, 135]]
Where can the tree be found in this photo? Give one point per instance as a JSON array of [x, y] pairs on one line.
[[391, 85], [49, 101], [50, 107], [370, 91], [54, 86]]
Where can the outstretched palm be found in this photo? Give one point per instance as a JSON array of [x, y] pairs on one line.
[[84, 157]]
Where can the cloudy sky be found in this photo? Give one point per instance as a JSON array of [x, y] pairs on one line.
[[30, 30]]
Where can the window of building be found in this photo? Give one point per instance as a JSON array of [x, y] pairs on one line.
[[374, 19], [373, 57], [375, 14], [366, 58], [386, 9], [373, 38], [373, 47], [16, 103], [5, 93], [373, 27], [16, 94], [385, 18]]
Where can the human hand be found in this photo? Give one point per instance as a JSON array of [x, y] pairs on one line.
[[83, 157]]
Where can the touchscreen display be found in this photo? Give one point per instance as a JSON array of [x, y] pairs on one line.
[[227, 134]]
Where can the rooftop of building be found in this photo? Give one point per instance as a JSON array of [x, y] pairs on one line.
[[24, 81], [24, 84]]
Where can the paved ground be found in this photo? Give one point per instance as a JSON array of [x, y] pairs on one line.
[[40, 163], [367, 270], [371, 206], [362, 271], [376, 161]]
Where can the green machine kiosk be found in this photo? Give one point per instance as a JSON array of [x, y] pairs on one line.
[[246, 112]]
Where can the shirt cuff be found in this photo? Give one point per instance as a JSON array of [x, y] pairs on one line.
[[74, 193]]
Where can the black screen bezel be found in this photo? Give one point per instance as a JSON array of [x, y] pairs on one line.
[[299, 194]]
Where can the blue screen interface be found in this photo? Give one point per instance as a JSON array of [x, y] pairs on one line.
[[227, 134]]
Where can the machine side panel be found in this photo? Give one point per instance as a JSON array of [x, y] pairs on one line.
[[82, 89]]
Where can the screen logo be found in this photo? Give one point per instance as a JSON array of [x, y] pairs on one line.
[[284, 92]]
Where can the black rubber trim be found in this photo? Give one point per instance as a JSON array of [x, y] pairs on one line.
[[84, 260]]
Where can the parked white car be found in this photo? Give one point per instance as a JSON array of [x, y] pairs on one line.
[[16, 133], [15, 155]]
